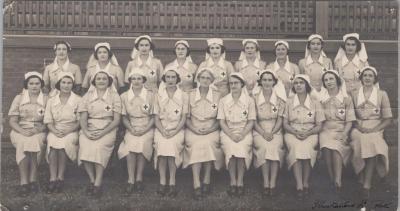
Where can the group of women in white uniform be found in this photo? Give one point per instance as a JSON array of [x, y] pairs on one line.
[[209, 116]]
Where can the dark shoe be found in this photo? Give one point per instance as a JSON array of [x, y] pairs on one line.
[[51, 187], [129, 189], [89, 189], [306, 190], [299, 194], [265, 192], [59, 186], [197, 194], [205, 189], [172, 191], [162, 190], [34, 187], [231, 190], [365, 193], [97, 191], [240, 191], [272, 192], [24, 190], [139, 187]]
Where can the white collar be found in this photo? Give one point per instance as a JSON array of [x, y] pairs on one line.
[[309, 60], [71, 100], [243, 99], [372, 99], [209, 96], [177, 95], [286, 67], [55, 66], [356, 60], [106, 69], [25, 98], [185, 65], [143, 94], [220, 63], [273, 99], [325, 95], [94, 96], [148, 61], [307, 102], [256, 63]]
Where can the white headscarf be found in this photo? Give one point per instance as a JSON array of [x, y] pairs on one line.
[[243, 54], [362, 54], [278, 89], [93, 61], [311, 37], [217, 41], [135, 52], [324, 95]]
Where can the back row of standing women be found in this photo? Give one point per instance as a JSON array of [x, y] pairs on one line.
[[216, 115]]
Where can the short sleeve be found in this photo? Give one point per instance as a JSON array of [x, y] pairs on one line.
[[83, 106], [127, 71], [86, 79], [237, 66], [221, 114], [285, 113], [156, 106], [350, 115], [46, 76], [385, 106], [296, 69], [185, 101], [301, 66], [117, 105], [229, 68], [252, 110], [319, 112], [123, 104], [78, 75], [48, 117], [120, 76], [14, 109], [281, 108]]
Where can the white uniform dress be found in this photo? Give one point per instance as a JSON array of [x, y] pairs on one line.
[[152, 68], [338, 110], [221, 70], [113, 70], [187, 72], [315, 69], [236, 115], [267, 115], [350, 71], [285, 74], [203, 114], [30, 116], [170, 112], [302, 118], [250, 71], [139, 110], [100, 115], [370, 112], [64, 117]]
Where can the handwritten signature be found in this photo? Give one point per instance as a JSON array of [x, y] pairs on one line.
[[318, 204]]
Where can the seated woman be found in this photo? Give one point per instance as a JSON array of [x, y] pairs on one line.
[[236, 115], [202, 133], [63, 122], [100, 113], [373, 113], [28, 131]]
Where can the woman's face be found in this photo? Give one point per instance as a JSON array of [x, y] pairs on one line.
[[281, 51], [250, 49], [101, 80], [34, 85], [368, 78], [315, 45], [144, 47], [330, 81], [235, 85], [215, 51], [66, 84], [137, 81], [350, 47], [205, 79], [171, 78], [61, 51], [299, 85], [181, 51], [267, 81], [102, 54]]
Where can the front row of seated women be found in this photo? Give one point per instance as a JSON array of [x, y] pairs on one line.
[[201, 130]]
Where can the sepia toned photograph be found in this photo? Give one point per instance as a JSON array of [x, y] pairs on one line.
[[199, 105]]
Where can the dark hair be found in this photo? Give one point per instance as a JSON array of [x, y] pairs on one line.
[[57, 86], [262, 75], [257, 47], [223, 49], [152, 46], [110, 79], [309, 43], [241, 80], [358, 43], [178, 78], [308, 87], [338, 81], [144, 79], [63, 43], [376, 79], [287, 49], [110, 54], [29, 78], [188, 49]]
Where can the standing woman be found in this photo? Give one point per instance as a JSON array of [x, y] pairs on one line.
[[284, 69], [302, 121], [28, 131], [268, 139], [250, 63], [236, 115], [104, 60], [350, 59], [61, 64], [137, 111], [184, 65], [373, 113], [170, 109], [215, 60], [143, 58], [315, 61], [202, 133], [339, 113], [61, 119], [100, 113]]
